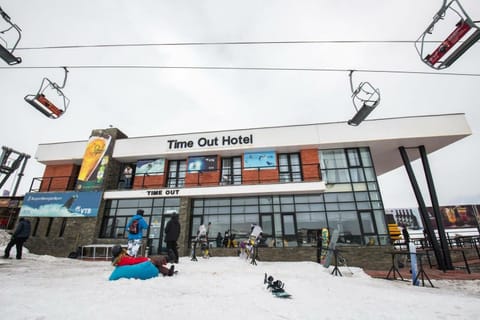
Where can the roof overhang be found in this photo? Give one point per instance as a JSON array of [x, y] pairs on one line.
[[382, 136]]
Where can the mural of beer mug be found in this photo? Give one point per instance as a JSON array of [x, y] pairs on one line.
[[96, 148]]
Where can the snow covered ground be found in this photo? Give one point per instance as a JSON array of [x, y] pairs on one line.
[[44, 287]]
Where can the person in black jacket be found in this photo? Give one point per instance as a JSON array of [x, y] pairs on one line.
[[172, 232], [20, 235]]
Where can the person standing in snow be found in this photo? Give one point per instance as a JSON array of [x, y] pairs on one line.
[[202, 238], [21, 234], [135, 228], [172, 232]]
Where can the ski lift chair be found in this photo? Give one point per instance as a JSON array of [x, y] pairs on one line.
[[40, 102], [365, 98], [5, 54], [438, 58]]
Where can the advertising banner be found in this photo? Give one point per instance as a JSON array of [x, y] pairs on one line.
[[61, 204], [95, 161], [208, 163], [150, 167], [255, 160], [462, 216]]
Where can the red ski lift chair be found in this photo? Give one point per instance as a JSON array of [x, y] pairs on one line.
[[453, 47], [40, 102], [6, 54], [365, 98]]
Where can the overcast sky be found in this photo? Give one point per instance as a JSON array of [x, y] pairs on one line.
[[151, 101]]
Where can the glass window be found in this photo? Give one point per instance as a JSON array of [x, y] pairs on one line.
[[357, 175], [231, 171], [336, 176], [361, 196], [364, 205], [312, 220], [353, 158], [380, 220], [370, 174], [333, 159], [367, 222], [245, 201], [289, 167], [158, 202], [176, 173], [216, 202], [308, 198], [366, 159], [129, 203], [116, 218]]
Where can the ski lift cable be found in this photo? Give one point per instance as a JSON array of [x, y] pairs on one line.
[[220, 43], [227, 68]]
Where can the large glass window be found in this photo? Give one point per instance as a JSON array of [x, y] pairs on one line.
[[231, 171], [176, 173], [117, 213], [289, 167], [352, 204]]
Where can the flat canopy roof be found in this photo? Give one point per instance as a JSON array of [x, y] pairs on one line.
[[382, 136]]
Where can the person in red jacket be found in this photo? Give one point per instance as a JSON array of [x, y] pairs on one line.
[[120, 258]]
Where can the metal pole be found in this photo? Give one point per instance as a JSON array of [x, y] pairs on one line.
[[423, 209], [20, 174], [436, 209]]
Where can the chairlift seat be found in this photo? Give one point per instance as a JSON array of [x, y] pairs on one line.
[[454, 45], [462, 27], [8, 57], [40, 102], [5, 54], [45, 106]]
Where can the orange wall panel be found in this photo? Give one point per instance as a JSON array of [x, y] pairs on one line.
[[142, 182], [310, 165], [60, 177]]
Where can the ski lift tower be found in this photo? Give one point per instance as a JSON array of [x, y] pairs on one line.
[[10, 161]]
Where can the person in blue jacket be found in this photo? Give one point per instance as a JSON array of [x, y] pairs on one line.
[[135, 227]]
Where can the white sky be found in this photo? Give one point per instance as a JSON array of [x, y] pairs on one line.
[[165, 101], [45, 287]]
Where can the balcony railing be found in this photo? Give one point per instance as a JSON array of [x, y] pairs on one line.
[[188, 179], [44, 184]]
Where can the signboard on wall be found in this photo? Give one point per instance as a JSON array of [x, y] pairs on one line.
[[70, 204], [151, 167], [253, 160], [95, 161], [207, 163]]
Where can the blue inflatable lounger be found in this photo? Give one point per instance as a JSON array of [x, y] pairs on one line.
[[142, 271]]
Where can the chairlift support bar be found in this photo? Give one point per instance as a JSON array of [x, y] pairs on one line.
[[5, 54], [464, 26], [40, 102]]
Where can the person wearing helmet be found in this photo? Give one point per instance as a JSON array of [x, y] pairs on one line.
[[120, 258]]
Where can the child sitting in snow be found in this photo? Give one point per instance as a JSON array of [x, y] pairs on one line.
[[121, 258]]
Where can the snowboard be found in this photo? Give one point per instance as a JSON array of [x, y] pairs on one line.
[[413, 261], [325, 239], [276, 287], [331, 247]]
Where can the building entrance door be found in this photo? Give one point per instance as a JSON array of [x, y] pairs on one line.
[[156, 236]]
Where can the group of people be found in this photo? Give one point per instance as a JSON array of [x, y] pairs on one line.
[[135, 228]]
